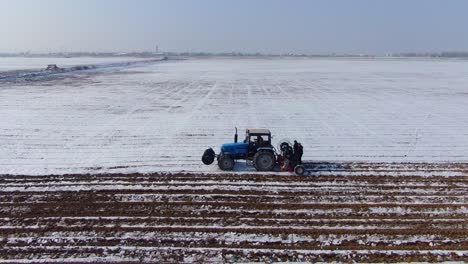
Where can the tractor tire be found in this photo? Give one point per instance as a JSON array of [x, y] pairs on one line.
[[299, 170], [226, 162], [264, 161], [208, 156]]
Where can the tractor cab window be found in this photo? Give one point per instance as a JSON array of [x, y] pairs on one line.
[[259, 140]]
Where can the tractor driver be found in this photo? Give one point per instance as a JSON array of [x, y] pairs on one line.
[[257, 142], [260, 141]]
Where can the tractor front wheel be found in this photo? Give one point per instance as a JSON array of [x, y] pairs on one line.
[[264, 161], [226, 162]]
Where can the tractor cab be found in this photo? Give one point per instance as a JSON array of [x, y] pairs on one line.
[[257, 138]]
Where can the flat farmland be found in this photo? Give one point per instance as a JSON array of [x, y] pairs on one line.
[[104, 165], [159, 117]]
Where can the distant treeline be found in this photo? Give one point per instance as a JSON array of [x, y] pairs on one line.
[[188, 54], [445, 54], [80, 54], [258, 54]]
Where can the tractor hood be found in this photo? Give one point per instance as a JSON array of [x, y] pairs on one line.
[[235, 148]]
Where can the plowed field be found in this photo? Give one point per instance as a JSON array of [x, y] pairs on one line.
[[373, 212]]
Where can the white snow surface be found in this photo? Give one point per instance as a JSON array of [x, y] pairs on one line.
[[160, 117]]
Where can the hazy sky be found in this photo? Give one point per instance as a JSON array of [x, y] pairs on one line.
[[269, 26]]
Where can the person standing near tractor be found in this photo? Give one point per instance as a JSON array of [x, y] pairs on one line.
[[295, 155], [300, 151]]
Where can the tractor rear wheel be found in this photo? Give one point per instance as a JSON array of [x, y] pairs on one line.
[[264, 161], [226, 162]]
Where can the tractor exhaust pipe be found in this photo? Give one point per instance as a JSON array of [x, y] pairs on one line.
[[235, 136]]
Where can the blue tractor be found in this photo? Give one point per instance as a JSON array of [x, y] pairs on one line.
[[256, 148]]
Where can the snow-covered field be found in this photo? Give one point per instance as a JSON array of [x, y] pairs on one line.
[[161, 116]]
